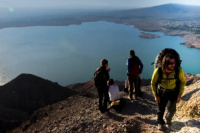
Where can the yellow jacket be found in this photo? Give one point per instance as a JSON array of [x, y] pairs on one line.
[[168, 82]]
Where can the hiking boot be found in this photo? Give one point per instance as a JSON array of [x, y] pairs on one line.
[[136, 97], [160, 127], [106, 110], [131, 98], [140, 94], [102, 110], [169, 125], [126, 90]]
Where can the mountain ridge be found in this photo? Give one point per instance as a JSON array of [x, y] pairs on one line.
[[161, 11]]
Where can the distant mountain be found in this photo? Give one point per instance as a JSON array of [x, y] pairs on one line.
[[64, 17], [173, 8], [26, 93], [163, 11]]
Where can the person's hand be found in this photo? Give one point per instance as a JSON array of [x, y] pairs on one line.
[[179, 98], [108, 83], [108, 69], [157, 99]]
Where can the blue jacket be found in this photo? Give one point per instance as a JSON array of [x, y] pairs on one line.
[[134, 66]]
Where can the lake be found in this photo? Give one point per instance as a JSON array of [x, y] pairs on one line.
[[71, 54]]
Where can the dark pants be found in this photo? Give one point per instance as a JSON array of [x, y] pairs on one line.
[[167, 99], [103, 97], [120, 106], [135, 80]]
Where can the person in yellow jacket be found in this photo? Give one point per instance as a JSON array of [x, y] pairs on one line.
[[167, 85]]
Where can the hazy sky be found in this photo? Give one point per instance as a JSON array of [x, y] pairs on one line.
[[89, 3]]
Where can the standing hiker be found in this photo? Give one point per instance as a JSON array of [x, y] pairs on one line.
[[134, 69], [167, 85], [101, 76]]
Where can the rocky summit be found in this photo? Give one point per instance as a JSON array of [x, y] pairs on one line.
[[79, 113]]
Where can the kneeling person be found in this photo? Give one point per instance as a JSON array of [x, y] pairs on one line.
[[114, 95]]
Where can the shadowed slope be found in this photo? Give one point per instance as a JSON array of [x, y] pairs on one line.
[[26, 93]]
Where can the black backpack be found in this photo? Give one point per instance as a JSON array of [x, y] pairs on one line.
[[99, 78], [162, 53]]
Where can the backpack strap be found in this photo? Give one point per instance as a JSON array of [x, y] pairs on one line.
[[160, 75], [177, 77]]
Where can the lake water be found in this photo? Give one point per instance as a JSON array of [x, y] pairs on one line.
[[71, 54]]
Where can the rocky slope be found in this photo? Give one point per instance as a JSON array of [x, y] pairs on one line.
[[189, 109], [79, 113]]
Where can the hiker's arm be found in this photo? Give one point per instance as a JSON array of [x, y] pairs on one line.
[[128, 66], [141, 66], [182, 82], [154, 79], [107, 75]]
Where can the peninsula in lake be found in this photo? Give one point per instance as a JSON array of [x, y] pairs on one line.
[[148, 35], [171, 19]]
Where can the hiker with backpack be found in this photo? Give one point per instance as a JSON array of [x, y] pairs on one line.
[[167, 85], [134, 69], [101, 76]]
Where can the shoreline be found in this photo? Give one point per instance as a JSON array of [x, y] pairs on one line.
[[191, 40]]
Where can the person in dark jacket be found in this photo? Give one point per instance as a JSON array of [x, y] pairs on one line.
[[134, 69], [102, 87]]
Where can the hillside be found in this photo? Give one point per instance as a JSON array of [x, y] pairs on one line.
[[25, 94], [79, 113]]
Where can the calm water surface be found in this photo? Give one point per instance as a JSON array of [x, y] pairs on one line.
[[70, 54]]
